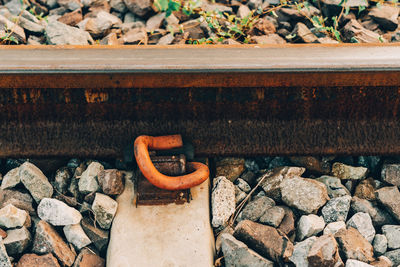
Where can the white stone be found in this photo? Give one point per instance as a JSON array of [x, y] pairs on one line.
[[11, 179], [309, 225], [300, 252], [363, 223], [333, 228], [12, 217], [392, 233], [35, 181], [104, 208], [57, 212], [222, 201], [76, 236], [356, 263], [88, 182]]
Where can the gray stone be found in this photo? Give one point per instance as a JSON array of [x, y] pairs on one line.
[[17, 33], [300, 252], [58, 33], [356, 263], [387, 17], [30, 26], [70, 4], [12, 217], [226, 230], [334, 227], [130, 17], [57, 212], [390, 198], [336, 209], [243, 185], [239, 195], [155, 22], [47, 240], [118, 5], [268, 39], [76, 236], [35, 181], [309, 225], [380, 244], [62, 179], [303, 34], [391, 172], [304, 194], [166, 39], [104, 208], [88, 182], [222, 201], [392, 233], [11, 179], [363, 223], [334, 186], [236, 253], [15, 7], [17, 241], [353, 30], [273, 179], [256, 208], [347, 172], [394, 256], [139, 7], [379, 216], [4, 259], [20, 200], [273, 216]]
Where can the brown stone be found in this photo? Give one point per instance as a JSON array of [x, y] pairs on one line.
[[354, 30], [231, 168], [71, 18], [33, 260], [386, 15], [324, 252], [111, 39], [92, 260], [391, 174], [139, 7], [312, 164], [263, 26], [111, 181], [265, 240], [382, 261], [268, 39], [18, 199], [98, 236], [48, 240], [354, 245], [287, 225], [192, 27], [3, 234], [366, 189], [303, 34], [390, 198]]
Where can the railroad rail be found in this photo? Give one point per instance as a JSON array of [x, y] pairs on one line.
[[227, 100]]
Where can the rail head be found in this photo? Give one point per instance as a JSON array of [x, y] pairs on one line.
[[199, 59]]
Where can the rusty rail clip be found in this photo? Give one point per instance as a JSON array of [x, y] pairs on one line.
[[143, 143]]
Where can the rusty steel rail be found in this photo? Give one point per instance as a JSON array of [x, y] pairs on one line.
[[247, 100]]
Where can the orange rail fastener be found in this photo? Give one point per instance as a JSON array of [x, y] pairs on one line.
[[141, 146]]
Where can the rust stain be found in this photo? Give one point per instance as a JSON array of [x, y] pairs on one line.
[[95, 96]]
